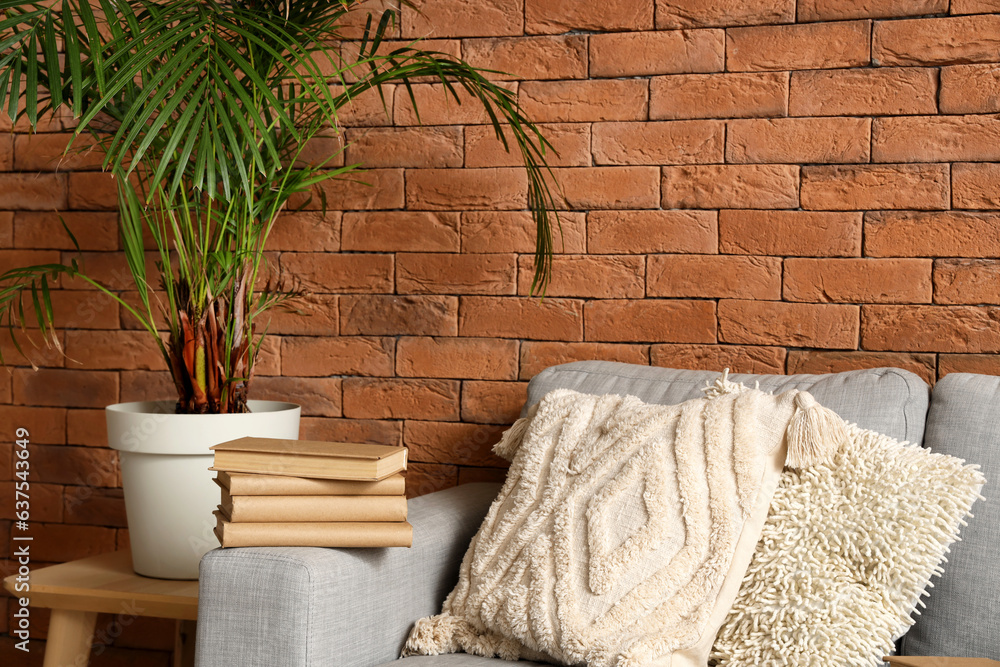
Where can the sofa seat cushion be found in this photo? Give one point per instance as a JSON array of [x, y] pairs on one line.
[[962, 617], [888, 400]]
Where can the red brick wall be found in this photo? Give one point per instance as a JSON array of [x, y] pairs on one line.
[[759, 184]]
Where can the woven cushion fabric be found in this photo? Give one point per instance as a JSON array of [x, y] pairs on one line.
[[847, 550], [887, 400], [963, 612], [623, 531]]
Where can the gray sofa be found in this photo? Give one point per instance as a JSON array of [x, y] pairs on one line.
[[299, 607]]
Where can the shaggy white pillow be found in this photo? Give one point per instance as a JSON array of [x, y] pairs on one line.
[[848, 549]]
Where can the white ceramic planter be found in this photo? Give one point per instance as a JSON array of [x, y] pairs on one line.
[[169, 492]]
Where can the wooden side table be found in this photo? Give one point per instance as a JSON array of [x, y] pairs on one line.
[[77, 591]]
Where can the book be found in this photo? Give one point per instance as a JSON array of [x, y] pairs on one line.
[[307, 458], [248, 484], [315, 534], [292, 509]]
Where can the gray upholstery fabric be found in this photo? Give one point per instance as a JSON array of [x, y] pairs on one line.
[[306, 607], [887, 400], [458, 660], [963, 611]]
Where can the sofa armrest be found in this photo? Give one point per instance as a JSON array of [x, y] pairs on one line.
[[305, 607]]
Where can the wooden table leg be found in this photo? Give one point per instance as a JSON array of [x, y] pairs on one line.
[[184, 644], [71, 634]]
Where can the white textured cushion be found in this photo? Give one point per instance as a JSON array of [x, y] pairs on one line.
[[848, 549], [622, 533]]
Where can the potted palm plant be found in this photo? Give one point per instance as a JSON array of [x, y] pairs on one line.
[[202, 109]]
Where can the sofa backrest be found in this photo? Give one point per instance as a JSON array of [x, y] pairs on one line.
[[962, 617], [887, 400]]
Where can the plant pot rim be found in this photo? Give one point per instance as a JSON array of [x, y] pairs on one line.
[[166, 407]]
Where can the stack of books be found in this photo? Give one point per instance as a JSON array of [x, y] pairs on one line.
[[311, 494]]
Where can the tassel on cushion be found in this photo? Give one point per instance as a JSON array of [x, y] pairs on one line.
[[815, 434], [512, 437]]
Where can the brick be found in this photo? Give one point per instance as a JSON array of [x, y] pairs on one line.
[[6, 152], [391, 315], [334, 272], [737, 358], [84, 309], [714, 276], [974, 6], [970, 89], [44, 229], [801, 233], [349, 51], [371, 189], [95, 191], [585, 101], [268, 360], [688, 13], [324, 151], [352, 430], [45, 502], [971, 281], [516, 231], [891, 186], [82, 466], [492, 402], [536, 356], [838, 10], [938, 139], [788, 324], [448, 442], [736, 95], [558, 57], [731, 186], [570, 146], [937, 41], [314, 314], [88, 428], [405, 146], [454, 18], [652, 232], [33, 192], [863, 92], [589, 276], [521, 317], [319, 397], [6, 396], [858, 280], [106, 350], [147, 386], [6, 229], [370, 398], [665, 142], [822, 362], [639, 321], [647, 53], [110, 269], [558, 16], [975, 185], [798, 140], [352, 24], [448, 273], [445, 189], [798, 47], [946, 234], [462, 358], [396, 231], [437, 106], [65, 388], [423, 478], [95, 507], [343, 355], [930, 328], [478, 475], [306, 230], [58, 542], [52, 152], [368, 109], [608, 187], [983, 364]]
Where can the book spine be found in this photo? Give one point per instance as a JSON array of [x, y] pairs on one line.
[[263, 509], [348, 534], [273, 485]]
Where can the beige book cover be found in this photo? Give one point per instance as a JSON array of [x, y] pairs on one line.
[[291, 509], [248, 484], [345, 534], [308, 458]]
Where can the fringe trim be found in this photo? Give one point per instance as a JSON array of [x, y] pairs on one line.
[[815, 434], [445, 633], [511, 439], [724, 386]]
